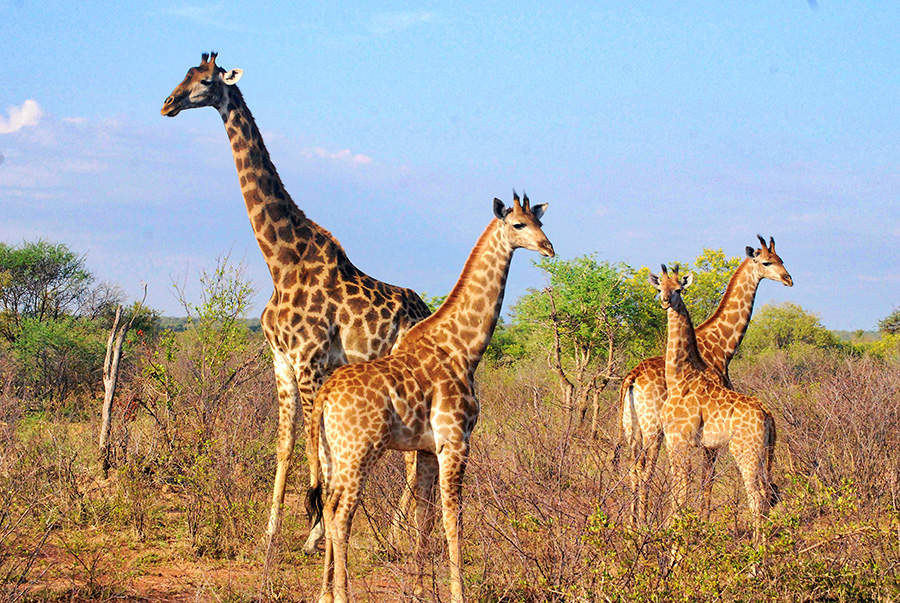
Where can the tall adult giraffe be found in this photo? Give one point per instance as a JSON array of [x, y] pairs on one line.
[[419, 397], [700, 411], [643, 390], [324, 312]]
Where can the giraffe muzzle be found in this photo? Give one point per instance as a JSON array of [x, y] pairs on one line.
[[546, 249], [172, 106]]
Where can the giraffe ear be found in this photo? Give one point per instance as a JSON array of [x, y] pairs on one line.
[[538, 210], [499, 210], [687, 280], [231, 77], [751, 253], [653, 279]]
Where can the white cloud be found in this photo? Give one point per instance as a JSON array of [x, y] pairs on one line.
[[345, 155], [207, 16], [29, 114], [883, 278], [82, 166], [388, 23]]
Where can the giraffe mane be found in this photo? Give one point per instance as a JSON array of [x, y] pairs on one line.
[[466, 274], [729, 290]]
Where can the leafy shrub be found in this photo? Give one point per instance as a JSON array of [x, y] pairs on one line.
[[58, 359], [787, 325], [207, 388]]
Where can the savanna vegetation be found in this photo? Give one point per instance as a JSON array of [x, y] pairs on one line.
[[181, 513]]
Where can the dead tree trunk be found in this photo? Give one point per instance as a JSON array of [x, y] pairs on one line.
[[111, 377]]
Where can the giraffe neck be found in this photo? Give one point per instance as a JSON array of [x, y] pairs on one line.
[[462, 327], [721, 334], [682, 354], [276, 220]]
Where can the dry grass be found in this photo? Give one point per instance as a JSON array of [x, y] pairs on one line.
[[181, 518]]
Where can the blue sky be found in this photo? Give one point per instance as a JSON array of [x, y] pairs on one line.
[[653, 129]]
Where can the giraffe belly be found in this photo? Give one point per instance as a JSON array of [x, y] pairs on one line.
[[409, 426], [713, 437], [405, 438]]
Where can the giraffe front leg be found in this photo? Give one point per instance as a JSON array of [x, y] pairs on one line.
[[679, 450], [426, 467], [406, 508], [648, 455], [707, 474], [288, 400], [452, 459]]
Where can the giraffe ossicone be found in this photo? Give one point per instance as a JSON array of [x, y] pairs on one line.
[[420, 397], [324, 311]]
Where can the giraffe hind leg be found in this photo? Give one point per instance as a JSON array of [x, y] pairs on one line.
[[308, 384], [339, 508], [645, 452], [328, 508], [751, 461], [346, 465]]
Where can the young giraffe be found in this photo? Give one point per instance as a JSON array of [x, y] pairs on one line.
[[700, 410], [643, 390], [324, 311], [420, 397]]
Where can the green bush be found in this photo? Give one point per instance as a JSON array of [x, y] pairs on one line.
[[785, 326], [58, 359]]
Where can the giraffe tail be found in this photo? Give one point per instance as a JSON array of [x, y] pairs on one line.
[[769, 436], [314, 504], [629, 421]]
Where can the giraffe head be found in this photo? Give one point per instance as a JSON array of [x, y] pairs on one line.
[[670, 287], [521, 225], [203, 86], [767, 264]]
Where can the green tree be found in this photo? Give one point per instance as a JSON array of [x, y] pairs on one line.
[[712, 270], [52, 315], [434, 302], [42, 281], [785, 326], [582, 322], [648, 337], [57, 358], [890, 325]]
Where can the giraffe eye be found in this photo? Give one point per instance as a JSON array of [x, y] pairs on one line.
[[767, 263], [519, 226], [206, 82]]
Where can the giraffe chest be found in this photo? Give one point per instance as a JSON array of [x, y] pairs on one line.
[[700, 405], [432, 405]]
